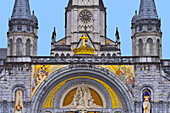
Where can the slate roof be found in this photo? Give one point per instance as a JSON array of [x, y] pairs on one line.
[[21, 10], [148, 10]]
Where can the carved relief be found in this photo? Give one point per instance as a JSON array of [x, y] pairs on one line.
[[83, 99]]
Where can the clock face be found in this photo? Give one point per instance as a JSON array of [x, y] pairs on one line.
[[85, 16]]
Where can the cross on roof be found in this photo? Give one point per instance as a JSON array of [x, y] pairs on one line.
[[84, 38]]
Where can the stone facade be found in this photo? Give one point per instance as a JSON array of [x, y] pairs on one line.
[[17, 71], [95, 27]]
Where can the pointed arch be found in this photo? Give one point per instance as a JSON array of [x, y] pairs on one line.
[[140, 47], [28, 47], [158, 47], [11, 47], [19, 47], [149, 47]]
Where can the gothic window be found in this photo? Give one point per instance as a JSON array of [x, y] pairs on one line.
[[149, 47], [158, 47], [113, 55], [68, 55], [28, 47], [19, 47], [19, 98], [102, 55], [62, 55], [108, 55], [11, 47], [140, 47], [57, 55], [146, 97]]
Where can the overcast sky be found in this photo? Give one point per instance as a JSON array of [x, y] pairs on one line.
[[51, 13]]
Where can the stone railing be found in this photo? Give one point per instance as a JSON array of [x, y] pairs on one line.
[[123, 60], [18, 59]]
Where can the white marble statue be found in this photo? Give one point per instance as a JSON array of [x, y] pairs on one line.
[[82, 99]]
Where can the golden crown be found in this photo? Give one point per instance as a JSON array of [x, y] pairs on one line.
[[84, 49]]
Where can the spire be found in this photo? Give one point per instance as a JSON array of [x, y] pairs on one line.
[[54, 35], [21, 10], [117, 34], [148, 10]]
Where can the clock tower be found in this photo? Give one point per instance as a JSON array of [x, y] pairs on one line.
[[85, 16]]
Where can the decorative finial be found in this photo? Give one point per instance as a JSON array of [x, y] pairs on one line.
[[85, 27], [136, 12], [84, 38], [117, 33]]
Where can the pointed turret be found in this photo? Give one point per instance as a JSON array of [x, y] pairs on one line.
[[147, 9], [21, 10], [23, 30], [54, 36], [117, 34], [117, 37], [146, 31]]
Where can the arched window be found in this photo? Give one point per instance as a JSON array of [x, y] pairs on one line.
[[62, 55], [113, 55], [19, 47], [28, 47], [140, 47], [146, 96], [108, 55], [68, 55], [19, 99], [158, 47], [11, 47], [57, 55], [149, 48], [102, 55]]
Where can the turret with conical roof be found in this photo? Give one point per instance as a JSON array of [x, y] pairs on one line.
[[23, 30], [146, 31], [148, 9]]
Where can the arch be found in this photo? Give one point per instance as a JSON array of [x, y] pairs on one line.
[[11, 47], [158, 47], [90, 83], [62, 55], [108, 55], [28, 47], [140, 47], [68, 55], [149, 47], [47, 111], [112, 80], [57, 55], [113, 55], [149, 88], [146, 100], [16, 87], [19, 47], [19, 100], [102, 55]]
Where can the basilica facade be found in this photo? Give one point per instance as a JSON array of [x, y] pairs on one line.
[[85, 71]]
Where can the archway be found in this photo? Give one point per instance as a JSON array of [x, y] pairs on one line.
[[102, 80]]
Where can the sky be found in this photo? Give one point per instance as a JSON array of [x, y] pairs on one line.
[[51, 13]]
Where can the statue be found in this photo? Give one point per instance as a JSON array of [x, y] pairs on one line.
[[19, 108], [82, 99], [146, 105]]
